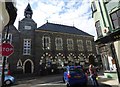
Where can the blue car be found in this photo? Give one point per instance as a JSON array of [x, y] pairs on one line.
[[75, 75], [8, 80]]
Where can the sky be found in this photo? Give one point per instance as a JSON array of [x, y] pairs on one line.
[[66, 12]]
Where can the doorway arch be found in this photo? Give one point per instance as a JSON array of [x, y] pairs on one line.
[[28, 66], [91, 59]]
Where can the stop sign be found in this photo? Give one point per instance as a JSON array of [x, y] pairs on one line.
[[6, 49]]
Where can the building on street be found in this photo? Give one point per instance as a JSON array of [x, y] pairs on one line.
[[48, 48], [106, 14]]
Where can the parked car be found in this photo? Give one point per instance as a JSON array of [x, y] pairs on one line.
[[75, 75], [8, 80]]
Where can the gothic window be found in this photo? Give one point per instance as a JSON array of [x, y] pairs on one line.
[[9, 37], [80, 45], [19, 64], [59, 43], [89, 45], [115, 17], [27, 47], [46, 43], [98, 28], [70, 44]]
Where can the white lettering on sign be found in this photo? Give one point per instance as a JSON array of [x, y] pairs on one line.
[[7, 49]]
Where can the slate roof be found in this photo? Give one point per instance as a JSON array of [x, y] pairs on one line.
[[62, 28]]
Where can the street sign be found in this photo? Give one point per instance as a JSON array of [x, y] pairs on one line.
[[6, 49]]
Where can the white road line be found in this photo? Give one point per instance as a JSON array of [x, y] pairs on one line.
[[52, 83]]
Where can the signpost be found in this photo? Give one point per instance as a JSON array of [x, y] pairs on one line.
[[6, 49]]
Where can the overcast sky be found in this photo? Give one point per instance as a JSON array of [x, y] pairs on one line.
[[66, 12]]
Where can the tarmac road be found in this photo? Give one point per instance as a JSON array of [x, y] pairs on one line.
[[47, 81]]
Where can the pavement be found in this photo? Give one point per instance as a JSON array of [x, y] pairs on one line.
[[108, 81]]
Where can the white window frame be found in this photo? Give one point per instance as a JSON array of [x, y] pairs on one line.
[[89, 45], [93, 6], [98, 28], [46, 42], [27, 47], [115, 19], [80, 45], [59, 43], [70, 44], [9, 37]]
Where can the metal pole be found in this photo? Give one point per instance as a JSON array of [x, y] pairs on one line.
[[4, 59]]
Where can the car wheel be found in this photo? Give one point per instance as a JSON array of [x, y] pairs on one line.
[[8, 82]]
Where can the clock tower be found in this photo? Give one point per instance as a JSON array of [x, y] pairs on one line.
[[28, 12]]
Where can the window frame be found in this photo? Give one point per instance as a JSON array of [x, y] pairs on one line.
[[80, 46], [98, 28], [59, 46], [27, 47], [70, 44], [93, 7], [46, 42], [89, 45], [115, 19]]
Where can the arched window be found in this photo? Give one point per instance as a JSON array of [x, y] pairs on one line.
[[46, 43]]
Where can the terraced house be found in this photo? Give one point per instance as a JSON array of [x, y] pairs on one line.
[[48, 48]]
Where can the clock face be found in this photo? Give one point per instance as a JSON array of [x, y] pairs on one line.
[[28, 15]]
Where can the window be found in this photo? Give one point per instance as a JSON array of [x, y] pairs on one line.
[[9, 37], [88, 45], [93, 7], [115, 17], [80, 45], [70, 44], [27, 47], [98, 28], [46, 42], [59, 43]]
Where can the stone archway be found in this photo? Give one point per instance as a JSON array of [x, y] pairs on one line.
[[28, 66]]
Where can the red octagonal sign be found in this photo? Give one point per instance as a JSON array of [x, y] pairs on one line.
[[6, 49]]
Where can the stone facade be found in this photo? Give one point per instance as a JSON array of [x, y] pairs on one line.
[[32, 55]]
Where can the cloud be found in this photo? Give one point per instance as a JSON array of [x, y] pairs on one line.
[[72, 12]]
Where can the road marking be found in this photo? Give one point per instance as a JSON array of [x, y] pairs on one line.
[[49, 84]]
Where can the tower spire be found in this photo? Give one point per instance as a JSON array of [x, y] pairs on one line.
[[28, 11]]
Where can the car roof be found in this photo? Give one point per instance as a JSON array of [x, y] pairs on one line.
[[74, 66]]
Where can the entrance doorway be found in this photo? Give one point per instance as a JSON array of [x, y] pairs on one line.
[[28, 66], [91, 59]]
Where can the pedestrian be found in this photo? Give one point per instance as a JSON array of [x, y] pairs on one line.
[[93, 75]]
